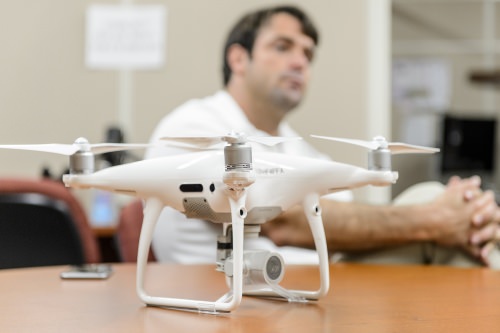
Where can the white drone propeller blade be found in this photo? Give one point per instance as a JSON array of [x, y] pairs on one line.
[[62, 149], [403, 148], [272, 140], [208, 141], [362, 143], [394, 147], [194, 141], [101, 148]]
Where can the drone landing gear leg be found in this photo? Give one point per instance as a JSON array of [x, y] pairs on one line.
[[312, 210], [234, 266], [152, 211]]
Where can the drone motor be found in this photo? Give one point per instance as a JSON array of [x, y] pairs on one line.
[[238, 165], [82, 161], [379, 159]]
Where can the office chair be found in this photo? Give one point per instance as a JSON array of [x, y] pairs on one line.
[[41, 224], [129, 230]]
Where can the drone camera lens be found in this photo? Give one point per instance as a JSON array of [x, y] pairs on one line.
[[273, 268]]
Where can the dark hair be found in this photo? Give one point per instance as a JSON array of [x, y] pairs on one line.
[[245, 30]]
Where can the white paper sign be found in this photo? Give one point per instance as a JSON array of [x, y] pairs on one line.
[[125, 36], [421, 84]]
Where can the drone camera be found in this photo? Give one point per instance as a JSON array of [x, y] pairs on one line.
[[260, 267], [264, 267]]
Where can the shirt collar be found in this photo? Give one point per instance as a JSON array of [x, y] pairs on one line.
[[235, 116]]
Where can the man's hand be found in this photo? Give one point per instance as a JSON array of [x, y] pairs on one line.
[[468, 217], [485, 234]]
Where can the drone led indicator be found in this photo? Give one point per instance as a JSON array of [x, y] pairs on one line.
[[243, 212], [317, 210]]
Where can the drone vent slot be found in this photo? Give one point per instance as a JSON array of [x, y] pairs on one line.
[[191, 188]]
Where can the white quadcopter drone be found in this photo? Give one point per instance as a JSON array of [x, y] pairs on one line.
[[236, 189]]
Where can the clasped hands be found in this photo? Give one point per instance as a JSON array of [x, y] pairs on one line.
[[473, 221]]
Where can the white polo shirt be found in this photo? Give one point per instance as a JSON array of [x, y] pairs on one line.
[[189, 241]]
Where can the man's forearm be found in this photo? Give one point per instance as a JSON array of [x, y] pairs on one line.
[[358, 227]]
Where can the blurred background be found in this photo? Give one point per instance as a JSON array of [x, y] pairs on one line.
[[444, 87], [419, 71]]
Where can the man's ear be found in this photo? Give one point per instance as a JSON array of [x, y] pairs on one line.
[[237, 58]]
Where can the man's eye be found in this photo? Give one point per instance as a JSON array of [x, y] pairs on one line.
[[281, 46]]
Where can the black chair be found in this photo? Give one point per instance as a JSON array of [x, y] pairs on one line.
[[42, 224]]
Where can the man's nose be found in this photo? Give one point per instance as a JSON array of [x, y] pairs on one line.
[[299, 59]]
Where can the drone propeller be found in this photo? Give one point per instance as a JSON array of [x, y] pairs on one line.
[[231, 138], [55, 148], [81, 152], [379, 156], [101, 148], [80, 145], [272, 140], [380, 142]]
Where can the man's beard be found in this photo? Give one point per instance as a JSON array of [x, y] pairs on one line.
[[291, 93], [285, 100]]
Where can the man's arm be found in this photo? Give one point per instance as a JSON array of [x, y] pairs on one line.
[[357, 227], [448, 220]]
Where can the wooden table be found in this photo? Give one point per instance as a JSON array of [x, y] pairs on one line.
[[363, 298]]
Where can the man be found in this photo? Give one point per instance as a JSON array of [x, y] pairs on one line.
[[267, 61]]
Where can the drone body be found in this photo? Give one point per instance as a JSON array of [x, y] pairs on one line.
[[181, 181]]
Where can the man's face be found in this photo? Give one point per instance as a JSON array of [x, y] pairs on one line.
[[280, 62]]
